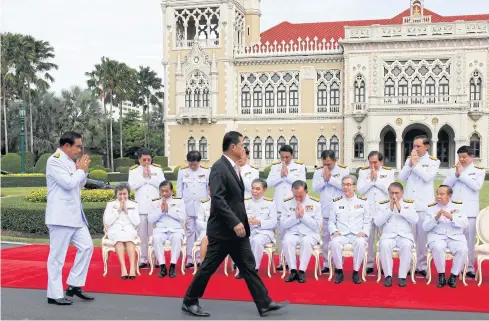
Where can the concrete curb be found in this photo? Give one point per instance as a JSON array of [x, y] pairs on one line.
[[15, 243]]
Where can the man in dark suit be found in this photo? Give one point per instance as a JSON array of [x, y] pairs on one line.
[[228, 232]]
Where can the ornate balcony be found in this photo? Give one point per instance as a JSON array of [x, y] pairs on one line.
[[204, 43], [359, 111], [418, 103], [476, 109], [195, 114]]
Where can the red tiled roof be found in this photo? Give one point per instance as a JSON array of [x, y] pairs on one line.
[[335, 29]]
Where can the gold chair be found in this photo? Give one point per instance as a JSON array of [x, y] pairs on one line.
[[348, 252], [448, 256], [482, 245], [109, 246], [268, 250], [167, 248]]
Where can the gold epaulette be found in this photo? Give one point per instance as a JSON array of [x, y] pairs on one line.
[[288, 198], [184, 166], [313, 198], [247, 198], [362, 197], [337, 199], [276, 163], [254, 167], [156, 199], [479, 167], [320, 167], [298, 162], [432, 204], [156, 165], [409, 156], [342, 165], [133, 167], [176, 197], [365, 167], [457, 202], [204, 166], [384, 202], [268, 199], [206, 200], [56, 155], [387, 168], [408, 201], [433, 158]]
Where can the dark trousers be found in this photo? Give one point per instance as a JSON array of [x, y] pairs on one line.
[[240, 251]]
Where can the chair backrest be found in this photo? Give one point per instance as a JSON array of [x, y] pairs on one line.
[[482, 225]]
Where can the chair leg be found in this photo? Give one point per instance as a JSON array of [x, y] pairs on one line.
[[428, 268], [414, 261], [226, 265], [330, 263], [479, 269], [184, 258], [105, 259], [377, 259], [270, 259], [282, 262], [138, 255], [316, 266], [194, 255], [151, 259], [466, 265], [364, 267]]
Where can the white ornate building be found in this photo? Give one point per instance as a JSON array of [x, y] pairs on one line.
[[353, 86]]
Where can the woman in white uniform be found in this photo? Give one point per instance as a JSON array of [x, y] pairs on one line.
[[121, 218]]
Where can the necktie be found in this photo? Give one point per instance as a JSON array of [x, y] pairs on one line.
[[238, 172]]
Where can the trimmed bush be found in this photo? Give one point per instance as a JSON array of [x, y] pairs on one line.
[[116, 177], [99, 175], [123, 169], [161, 160], [96, 160], [11, 163], [124, 161], [266, 171], [25, 175], [22, 181], [96, 167], [41, 163], [28, 161], [175, 171], [87, 195]]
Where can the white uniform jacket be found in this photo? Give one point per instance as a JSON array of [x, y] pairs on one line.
[[283, 185], [350, 216], [444, 229], [331, 189], [377, 190], [248, 174], [265, 211], [394, 222], [171, 221], [192, 186], [145, 189], [203, 217], [121, 226], [309, 224]]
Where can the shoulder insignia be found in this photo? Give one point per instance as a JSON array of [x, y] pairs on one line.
[[298, 162], [362, 197], [313, 198], [457, 202], [247, 198], [337, 199], [288, 198], [433, 158], [387, 168], [319, 167], [176, 197], [384, 202], [133, 167], [365, 167], [409, 156], [268, 199], [204, 166], [56, 155], [254, 167], [156, 165], [342, 165], [205, 200], [156, 199], [184, 166], [479, 167], [408, 201], [276, 163], [454, 166], [432, 204]]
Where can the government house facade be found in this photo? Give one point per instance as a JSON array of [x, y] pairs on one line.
[[349, 86]]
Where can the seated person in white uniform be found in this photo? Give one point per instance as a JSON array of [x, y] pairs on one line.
[[262, 217], [121, 217], [202, 218], [445, 224], [349, 223], [168, 213], [396, 218], [301, 222]]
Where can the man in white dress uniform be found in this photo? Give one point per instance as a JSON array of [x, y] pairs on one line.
[[445, 226], [145, 179], [248, 173], [396, 217], [282, 175], [168, 214], [65, 219], [466, 180], [373, 183], [419, 172], [327, 181]]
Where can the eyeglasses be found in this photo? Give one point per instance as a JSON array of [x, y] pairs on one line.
[[347, 185]]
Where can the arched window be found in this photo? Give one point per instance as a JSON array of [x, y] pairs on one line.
[[294, 143], [257, 99], [245, 97], [203, 147], [390, 89], [322, 96], [475, 86], [197, 90], [321, 146], [444, 88], [359, 89], [246, 142], [197, 98], [358, 147], [294, 96], [403, 87], [334, 97], [269, 144], [334, 145], [269, 96], [429, 88], [280, 142], [475, 145], [191, 144], [188, 98], [205, 98], [281, 96], [257, 150]]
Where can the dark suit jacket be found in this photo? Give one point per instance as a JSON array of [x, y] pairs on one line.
[[227, 205]]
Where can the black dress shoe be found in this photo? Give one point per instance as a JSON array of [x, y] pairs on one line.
[[402, 283], [441, 280], [143, 265], [78, 291], [325, 270], [470, 274], [124, 277], [163, 271], [422, 272], [388, 281], [293, 276], [281, 268], [302, 277], [195, 310], [356, 277], [274, 306], [173, 273], [189, 265], [452, 281], [339, 277], [239, 276], [132, 277], [370, 270], [62, 301]]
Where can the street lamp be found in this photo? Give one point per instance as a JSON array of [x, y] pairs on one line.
[[22, 130]]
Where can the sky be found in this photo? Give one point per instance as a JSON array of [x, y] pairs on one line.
[[82, 31]]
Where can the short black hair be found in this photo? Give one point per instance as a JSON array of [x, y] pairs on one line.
[[144, 151], [450, 190], [261, 181], [298, 184], [328, 154], [287, 149], [247, 151], [69, 138], [376, 153], [194, 156], [465, 149], [230, 138], [396, 184], [425, 139], [166, 183]]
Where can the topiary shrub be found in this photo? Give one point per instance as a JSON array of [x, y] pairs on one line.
[[122, 169], [28, 161], [266, 171], [161, 160], [87, 195], [11, 163], [96, 160], [99, 175], [96, 167], [175, 171], [124, 161], [41, 163]]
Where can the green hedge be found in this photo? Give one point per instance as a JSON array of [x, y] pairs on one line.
[[87, 195], [41, 163], [13, 181], [122, 169], [99, 175], [96, 167], [161, 160], [96, 160], [28, 162], [116, 177], [124, 161], [11, 163]]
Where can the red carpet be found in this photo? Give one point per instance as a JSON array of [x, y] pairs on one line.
[[25, 267]]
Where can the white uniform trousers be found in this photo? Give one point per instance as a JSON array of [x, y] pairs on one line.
[[191, 230], [175, 238], [421, 239], [59, 241], [145, 230], [326, 239], [258, 242], [458, 249], [470, 234], [306, 243], [386, 247], [359, 248], [280, 233], [371, 241]]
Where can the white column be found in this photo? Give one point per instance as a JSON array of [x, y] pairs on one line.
[[434, 147], [398, 154]]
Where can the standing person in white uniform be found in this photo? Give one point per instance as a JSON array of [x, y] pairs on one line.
[[248, 173], [65, 219], [282, 175], [373, 183], [327, 182], [466, 180], [419, 172], [145, 179]]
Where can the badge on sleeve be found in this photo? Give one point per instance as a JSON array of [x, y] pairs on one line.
[[309, 208]]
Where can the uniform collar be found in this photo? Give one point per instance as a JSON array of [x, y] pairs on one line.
[[257, 199], [233, 163], [426, 155], [63, 155], [351, 199]]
